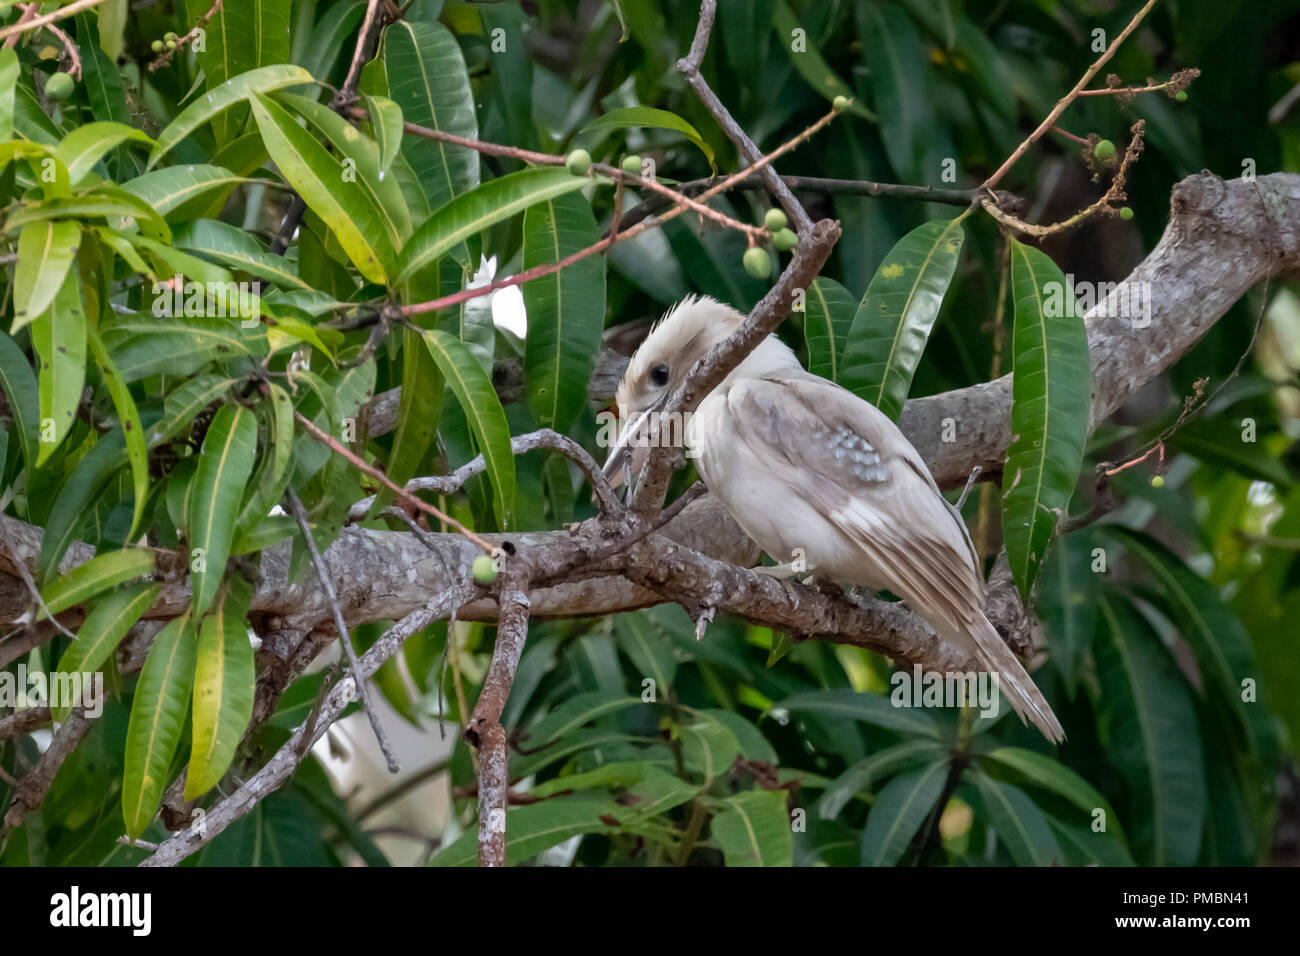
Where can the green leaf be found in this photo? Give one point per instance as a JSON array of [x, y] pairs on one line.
[[94, 577], [894, 319], [386, 121], [273, 472], [576, 712], [112, 26], [1151, 735], [648, 648], [234, 247], [566, 310], [217, 101], [1067, 604], [8, 82], [1051, 401], [45, 253], [144, 347], [162, 695], [903, 806], [648, 117], [1224, 653], [383, 190], [418, 411], [19, 384], [1056, 777], [105, 625], [1081, 845], [225, 464], [828, 318], [709, 747], [243, 35], [185, 401], [328, 36], [863, 774], [59, 338], [183, 192], [129, 418], [428, 81], [537, 827], [107, 201], [223, 691], [810, 63], [900, 88], [319, 178], [76, 497], [867, 707], [473, 389], [86, 145], [1020, 824], [471, 213], [753, 829]]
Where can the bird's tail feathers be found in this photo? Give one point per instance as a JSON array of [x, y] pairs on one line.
[[1014, 681]]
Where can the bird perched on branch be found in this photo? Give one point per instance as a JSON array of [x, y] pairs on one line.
[[807, 468]]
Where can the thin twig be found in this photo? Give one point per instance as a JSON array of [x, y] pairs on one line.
[[1063, 103], [23, 25], [345, 638], [70, 48], [519, 445], [340, 449], [1116, 193], [348, 92], [165, 58], [761, 165]]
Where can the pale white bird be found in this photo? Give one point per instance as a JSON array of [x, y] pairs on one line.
[[807, 468]]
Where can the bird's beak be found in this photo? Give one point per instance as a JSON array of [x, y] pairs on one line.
[[628, 454]]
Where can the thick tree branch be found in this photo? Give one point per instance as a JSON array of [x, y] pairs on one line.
[[484, 730]]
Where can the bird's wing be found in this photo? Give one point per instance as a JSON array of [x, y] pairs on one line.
[[867, 480]]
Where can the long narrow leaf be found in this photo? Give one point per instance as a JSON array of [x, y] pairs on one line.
[[473, 389], [225, 463], [894, 319], [1051, 399], [157, 716]]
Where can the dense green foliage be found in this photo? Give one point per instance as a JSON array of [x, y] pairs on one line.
[[144, 421]]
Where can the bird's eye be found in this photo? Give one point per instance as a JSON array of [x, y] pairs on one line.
[[659, 375]]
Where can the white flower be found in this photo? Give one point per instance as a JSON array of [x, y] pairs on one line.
[[507, 304]]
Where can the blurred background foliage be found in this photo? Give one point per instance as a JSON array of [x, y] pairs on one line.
[[1152, 617]]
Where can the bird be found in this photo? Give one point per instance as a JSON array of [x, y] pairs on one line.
[[807, 468]]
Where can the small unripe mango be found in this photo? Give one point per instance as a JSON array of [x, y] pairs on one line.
[[1158, 481], [578, 162], [1103, 151], [774, 220], [156, 46], [631, 165], [485, 571], [785, 240], [1126, 212], [59, 86], [841, 103], [1181, 96], [758, 262]]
